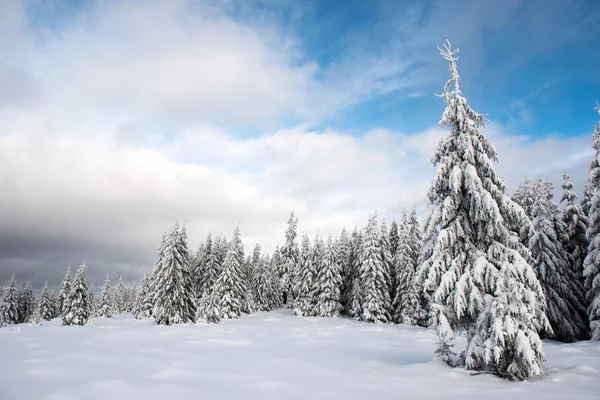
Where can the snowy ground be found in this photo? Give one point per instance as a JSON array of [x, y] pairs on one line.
[[262, 356]]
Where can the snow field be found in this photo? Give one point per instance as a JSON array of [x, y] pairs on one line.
[[263, 356]]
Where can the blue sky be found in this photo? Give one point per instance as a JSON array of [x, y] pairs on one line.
[[118, 117], [529, 65]]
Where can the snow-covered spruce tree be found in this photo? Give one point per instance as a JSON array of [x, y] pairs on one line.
[[317, 255], [10, 303], [289, 261], [173, 291], [197, 268], [212, 266], [586, 201], [245, 295], [120, 297], [65, 289], [305, 282], [349, 273], [92, 300], [77, 305], [576, 223], [328, 284], [394, 236], [591, 264], [276, 296], [374, 292], [221, 246], [142, 307], [418, 302], [228, 288], [261, 282], [105, 301], [46, 306], [26, 300], [404, 266], [563, 291], [472, 265], [355, 294], [387, 257]]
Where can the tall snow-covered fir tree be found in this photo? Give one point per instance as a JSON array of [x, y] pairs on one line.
[[261, 280], [120, 297], [65, 289], [10, 303], [105, 301], [419, 304], [198, 263], [142, 307], [576, 223], [26, 300], [374, 292], [209, 268], [387, 258], [328, 284], [289, 260], [92, 300], [591, 264], [46, 306], [405, 268], [305, 282], [354, 291], [77, 305], [562, 287], [473, 268], [394, 236], [172, 283], [229, 287], [245, 295]]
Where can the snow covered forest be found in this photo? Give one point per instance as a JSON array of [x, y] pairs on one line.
[[503, 272]]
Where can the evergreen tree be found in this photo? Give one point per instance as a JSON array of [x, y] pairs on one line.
[[374, 292], [63, 294], [105, 303], [120, 297], [172, 286], [591, 264], [10, 303], [289, 260], [198, 265], [307, 274], [211, 266], [417, 303], [276, 295], [404, 266], [46, 306], [26, 300], [262, 283], [387, 258], [92, 301], [576, 223], [77, 306], [143, 308], [394, 236], [587, 199], [563, 291], [230, 285], [355, 295], [473, 269], [245, 296], [328, 284]]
